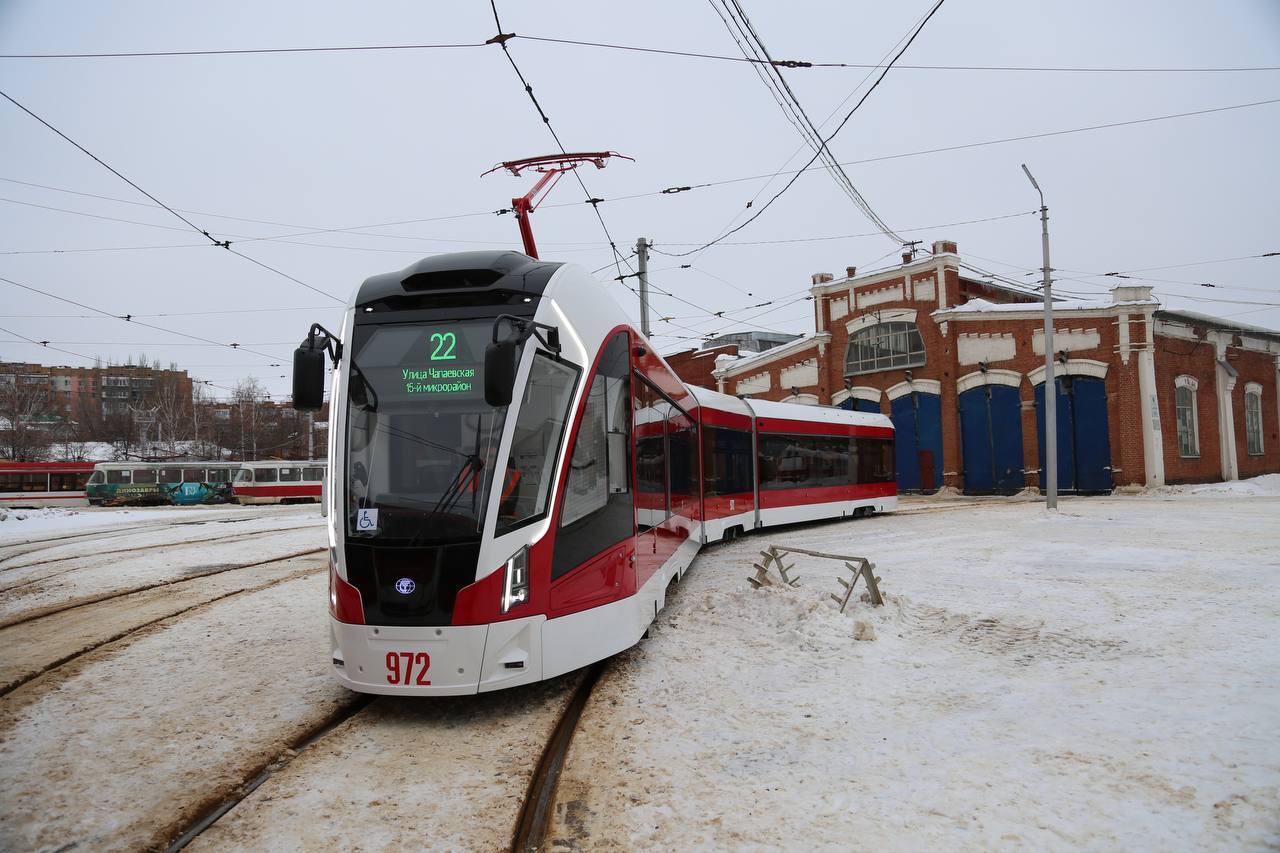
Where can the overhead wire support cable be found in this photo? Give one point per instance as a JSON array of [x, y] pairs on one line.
[[130, 318], [759, 211], [785, 95], [223, 244]]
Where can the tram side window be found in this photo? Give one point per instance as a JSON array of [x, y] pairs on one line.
[[598, 509], [10, 482], [35, 482], [117, 476], [651, 456], [806, 461], [193, 475], [144, 475], [726, 456], [68, 482], [219, 475], [169, 475], [290, 475], [875, 460], [535, 443], [98, 478], [244, 475], [313, 475], [681, 442], [264, 475]]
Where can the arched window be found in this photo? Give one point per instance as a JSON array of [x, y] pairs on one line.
[[1253, 418], [1188, 421], [885, 346]]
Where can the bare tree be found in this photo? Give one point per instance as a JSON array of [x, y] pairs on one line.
[[23, 438], [247, 400], [173, 415]]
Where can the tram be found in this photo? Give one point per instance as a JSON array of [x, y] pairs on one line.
[[278, 482], [160, 483], [41, 484], [519, 476]]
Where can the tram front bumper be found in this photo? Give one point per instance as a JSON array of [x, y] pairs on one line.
[[450, 660]]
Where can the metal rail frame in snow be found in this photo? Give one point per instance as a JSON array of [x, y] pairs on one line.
[[551, 166]]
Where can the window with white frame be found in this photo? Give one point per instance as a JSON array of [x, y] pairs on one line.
[[884, 346], [1253, 418], [1187, 418]]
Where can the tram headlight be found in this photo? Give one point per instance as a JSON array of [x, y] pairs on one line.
[[515, 588]]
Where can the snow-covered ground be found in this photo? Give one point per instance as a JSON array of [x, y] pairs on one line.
[[122, 748], [1105, 677], [87, 569], [23, 524]]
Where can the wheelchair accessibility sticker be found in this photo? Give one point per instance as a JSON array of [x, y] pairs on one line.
[[367, 520]]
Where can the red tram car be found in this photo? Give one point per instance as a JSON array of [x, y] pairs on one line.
[[41, 484], [518, 476]]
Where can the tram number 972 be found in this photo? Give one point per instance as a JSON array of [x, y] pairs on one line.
[[400, 666]]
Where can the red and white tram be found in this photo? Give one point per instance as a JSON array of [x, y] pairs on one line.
[[278, 482], [40, 484], [520, 476]]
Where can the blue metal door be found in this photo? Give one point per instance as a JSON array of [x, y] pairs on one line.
[[1084, 442], [991, 440], [1092, 436], [917, 422]]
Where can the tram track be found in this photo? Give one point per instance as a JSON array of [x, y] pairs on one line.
[[99, 535], [539, 800], [217, 805], [15, 675], [229, 538], [52, 610]]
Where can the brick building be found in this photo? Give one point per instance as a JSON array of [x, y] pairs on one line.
[[1145, 396], [77, 393]]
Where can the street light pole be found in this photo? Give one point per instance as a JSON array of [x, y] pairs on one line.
[[1050, 462]]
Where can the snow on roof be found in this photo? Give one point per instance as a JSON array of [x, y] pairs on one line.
[[983, 306], [798, 345], [1196, 318]]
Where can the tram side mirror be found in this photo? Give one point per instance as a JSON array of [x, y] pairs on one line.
[[500, 371], [308, 378]]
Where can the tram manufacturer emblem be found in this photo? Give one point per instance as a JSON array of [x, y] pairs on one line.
[[405, 586]]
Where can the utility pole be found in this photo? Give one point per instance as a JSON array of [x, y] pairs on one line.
[[1050, 462], [642, 251]]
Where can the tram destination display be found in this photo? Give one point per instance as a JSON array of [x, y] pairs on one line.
[[424, 363]]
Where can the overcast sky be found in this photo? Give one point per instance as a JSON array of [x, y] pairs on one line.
[[304, 141]]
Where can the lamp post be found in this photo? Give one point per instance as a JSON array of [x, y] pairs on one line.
[[1050, 462]]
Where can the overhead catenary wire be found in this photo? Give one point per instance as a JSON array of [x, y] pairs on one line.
[[827, 139], [667, 191], [500, 39], [691, 54], [771, 75], [129, 318], [213, 240]]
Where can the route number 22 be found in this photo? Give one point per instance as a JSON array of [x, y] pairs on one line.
[[400, 668], [445, 343]]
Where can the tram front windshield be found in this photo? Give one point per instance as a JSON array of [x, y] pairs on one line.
[[422, 443]]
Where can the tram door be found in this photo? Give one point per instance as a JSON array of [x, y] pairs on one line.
[[1084, 442], [917, 423], [991, 440]]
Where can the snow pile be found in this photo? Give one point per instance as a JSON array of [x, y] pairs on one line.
[[48, 514], [1268, 485]]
